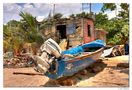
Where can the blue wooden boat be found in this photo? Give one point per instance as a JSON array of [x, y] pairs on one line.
[[71, 61]]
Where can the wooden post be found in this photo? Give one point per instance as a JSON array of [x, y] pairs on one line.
[[82, 20]]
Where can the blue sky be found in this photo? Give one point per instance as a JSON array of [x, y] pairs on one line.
[[11, 10], [97, 7]]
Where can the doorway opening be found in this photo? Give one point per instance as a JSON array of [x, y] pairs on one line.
[[61, 30]]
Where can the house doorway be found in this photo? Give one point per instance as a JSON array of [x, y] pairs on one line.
[[61, 31]]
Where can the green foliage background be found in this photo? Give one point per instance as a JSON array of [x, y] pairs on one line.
[[118, 27]]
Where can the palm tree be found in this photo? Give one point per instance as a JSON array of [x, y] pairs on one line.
[[29, 20], [57, 16], [31, 30], [30, 26]]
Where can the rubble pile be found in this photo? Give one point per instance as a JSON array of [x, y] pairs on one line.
[[24, 60]]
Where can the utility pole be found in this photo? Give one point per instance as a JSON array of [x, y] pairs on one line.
[[54, 23], [90, 8], [82, 26], [53, 9]]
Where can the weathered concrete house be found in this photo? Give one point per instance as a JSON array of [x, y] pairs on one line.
[[76, 30]]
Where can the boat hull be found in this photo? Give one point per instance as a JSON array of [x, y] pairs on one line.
[[68, 67]]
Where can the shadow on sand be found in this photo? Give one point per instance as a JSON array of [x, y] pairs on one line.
[[87, 73]]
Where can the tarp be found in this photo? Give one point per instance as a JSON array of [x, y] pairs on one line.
[[78, 49], [96, 43], [74, 50]]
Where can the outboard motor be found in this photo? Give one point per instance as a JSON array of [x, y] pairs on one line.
[[49, 51]]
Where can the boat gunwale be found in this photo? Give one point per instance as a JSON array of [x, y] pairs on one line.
[[85, 56]]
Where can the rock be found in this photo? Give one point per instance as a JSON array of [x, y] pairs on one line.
[[126, 70], [8, 55], [19, 61], [79, 78], [68, 82], [99, 61], [124, 65], [96, 69], [83, 72], [51, 83]]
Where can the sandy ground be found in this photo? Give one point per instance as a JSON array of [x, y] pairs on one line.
[[11, 80], [109, 76]]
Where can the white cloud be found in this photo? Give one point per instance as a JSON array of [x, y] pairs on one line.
[[37, 9], [112, 14], [11, 8], [28, 5], [68, 8], [40, 18], [29, 8], [11, 11]]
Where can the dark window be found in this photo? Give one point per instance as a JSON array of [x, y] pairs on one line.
[[89, 30]]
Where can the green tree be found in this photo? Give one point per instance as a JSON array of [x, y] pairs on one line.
[[84, 15], [12, 37], [101, 20], [117, 27], [108, 6], [16, 33], [57, 16], [30, 27], [72, 16], [124, 13], [29, 20], [118, 31]]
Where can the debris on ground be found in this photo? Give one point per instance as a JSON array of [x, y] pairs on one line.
[[108, 75], [125, 65], [24, 60]]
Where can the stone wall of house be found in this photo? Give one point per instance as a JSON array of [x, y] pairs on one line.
[[75, 38], [100, 34]]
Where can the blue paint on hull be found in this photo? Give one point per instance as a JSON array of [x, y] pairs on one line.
[[70, 66], [66, 68], [77, 66]]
